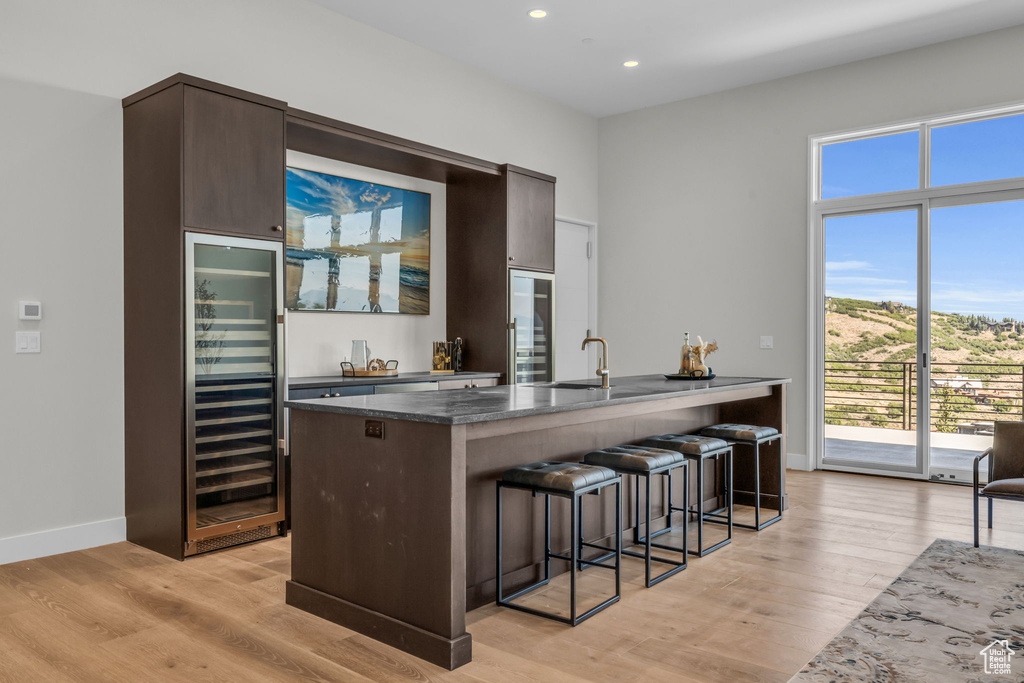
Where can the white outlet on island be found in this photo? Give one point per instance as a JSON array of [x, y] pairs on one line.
[[767, 342]]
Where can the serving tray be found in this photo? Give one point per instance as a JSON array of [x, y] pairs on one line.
[[690, 378]]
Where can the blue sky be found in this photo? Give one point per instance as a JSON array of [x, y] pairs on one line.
[[977, 250]]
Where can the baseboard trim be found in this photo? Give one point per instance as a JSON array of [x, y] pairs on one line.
[[436, 649], [798, 461], [63, 540]]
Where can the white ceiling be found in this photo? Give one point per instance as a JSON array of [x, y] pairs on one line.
[[685, 47]]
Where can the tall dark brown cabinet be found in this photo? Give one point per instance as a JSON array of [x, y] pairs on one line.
[[495, 223], [203, 217]]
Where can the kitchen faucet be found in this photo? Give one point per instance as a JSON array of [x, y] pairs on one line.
[[602, 368]]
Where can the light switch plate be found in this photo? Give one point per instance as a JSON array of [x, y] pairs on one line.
[[26, 342], [767, 342]]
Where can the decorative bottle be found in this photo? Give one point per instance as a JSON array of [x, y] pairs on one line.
[[685, 357]]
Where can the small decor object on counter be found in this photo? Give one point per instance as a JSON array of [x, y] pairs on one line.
[[375, 368], [457, 358], [691, 361], [442, 359], [700, 352], [686, 356], [360, 354]]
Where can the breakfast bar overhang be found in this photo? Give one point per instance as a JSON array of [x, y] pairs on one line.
[[393, 496]]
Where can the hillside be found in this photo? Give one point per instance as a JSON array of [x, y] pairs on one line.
[[858, 330]]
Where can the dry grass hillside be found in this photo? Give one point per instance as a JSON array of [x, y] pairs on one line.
[[977, 367], [858, 330]]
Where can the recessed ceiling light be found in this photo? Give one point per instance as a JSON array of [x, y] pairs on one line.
[[538, 13], [631, 63]]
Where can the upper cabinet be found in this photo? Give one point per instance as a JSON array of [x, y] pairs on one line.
[[531, 220], [494, 222], [216, 152], [234, 159]]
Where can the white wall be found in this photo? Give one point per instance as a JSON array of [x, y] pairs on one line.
[[61, 433], [319, 341], [64, 65], [704, 203]]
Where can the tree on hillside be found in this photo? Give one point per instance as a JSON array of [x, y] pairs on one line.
[[947, 414]]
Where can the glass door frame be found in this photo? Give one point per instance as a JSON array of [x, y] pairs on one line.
[[192, 531], [924, 201], [816, 409], [535, 275]]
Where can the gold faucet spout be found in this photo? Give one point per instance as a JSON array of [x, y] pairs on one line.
[[602, 369]]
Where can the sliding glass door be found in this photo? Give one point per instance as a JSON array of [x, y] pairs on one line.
[[871, 341], [977, 328], [922, 338]]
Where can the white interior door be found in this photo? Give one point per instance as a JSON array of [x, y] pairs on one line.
[[575, 297]]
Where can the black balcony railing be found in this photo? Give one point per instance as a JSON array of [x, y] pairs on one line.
[[965, 397]]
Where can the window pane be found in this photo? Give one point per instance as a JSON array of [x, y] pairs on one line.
[[980, 150], [883, 164]]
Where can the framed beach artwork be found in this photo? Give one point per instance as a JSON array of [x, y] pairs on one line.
[[356, 247]]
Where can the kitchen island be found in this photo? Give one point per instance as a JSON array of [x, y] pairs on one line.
[[393, 512]]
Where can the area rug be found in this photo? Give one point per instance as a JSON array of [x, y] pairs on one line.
[[955, 614]]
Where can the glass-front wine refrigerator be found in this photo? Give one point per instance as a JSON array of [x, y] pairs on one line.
[[532, 327], [234, 379]]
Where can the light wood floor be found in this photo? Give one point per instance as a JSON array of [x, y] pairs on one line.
[[754, 611]]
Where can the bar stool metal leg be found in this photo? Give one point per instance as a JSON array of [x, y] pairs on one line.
[[647, 539], [758, 525], [574, 553], [573, 558], [722, 515], [547, 538]]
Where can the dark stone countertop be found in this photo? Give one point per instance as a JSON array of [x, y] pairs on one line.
[[402, 377], [484, 404]]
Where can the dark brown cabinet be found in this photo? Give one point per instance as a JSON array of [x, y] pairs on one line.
[[531, 221], [495, 223], [203, 176], [233, 165]]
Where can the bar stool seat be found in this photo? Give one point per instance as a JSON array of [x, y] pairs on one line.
[[643, 462], [699, 449], [687, 444], [755, 437], [738, 432], [574, 482], [633, 458], [558, 476]]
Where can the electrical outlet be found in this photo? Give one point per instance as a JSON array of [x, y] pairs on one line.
[[374, 429], [767, 342]]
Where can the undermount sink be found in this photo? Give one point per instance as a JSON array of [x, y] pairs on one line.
[[572, 385]]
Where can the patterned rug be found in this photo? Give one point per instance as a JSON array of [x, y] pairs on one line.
[[934, 622]]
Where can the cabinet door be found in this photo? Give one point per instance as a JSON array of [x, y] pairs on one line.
[[233, 165], [531, 222]]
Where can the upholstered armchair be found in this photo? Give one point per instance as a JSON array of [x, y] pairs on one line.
[[1005, 470]]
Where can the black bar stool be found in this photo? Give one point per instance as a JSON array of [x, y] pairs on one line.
[[572, 481], [750, 435], [644, 463], [698, 450]]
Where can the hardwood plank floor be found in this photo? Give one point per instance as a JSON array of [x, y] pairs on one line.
[[754, 611]]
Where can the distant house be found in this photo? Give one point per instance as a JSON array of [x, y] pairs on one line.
[[959, 384], [1006, 326], [892, 306]]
